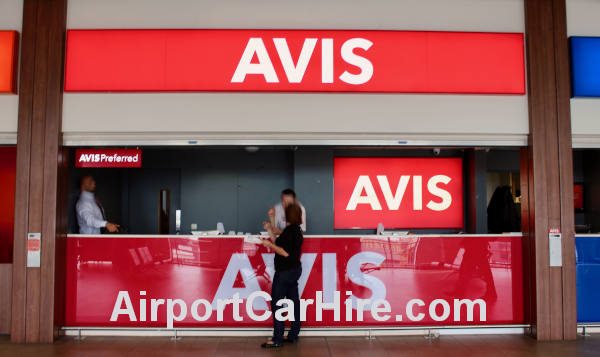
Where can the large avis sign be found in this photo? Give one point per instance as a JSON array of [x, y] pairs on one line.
[[294, 60], [398, 192]]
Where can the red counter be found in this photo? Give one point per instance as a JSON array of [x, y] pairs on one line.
[[427, 280]]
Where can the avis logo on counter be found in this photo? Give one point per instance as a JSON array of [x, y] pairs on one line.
[[295, 71], [401, 193]]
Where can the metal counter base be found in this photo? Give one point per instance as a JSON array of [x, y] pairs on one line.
[[368, 332]]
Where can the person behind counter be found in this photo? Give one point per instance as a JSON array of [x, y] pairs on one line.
[[277, 212], [90, 214], [287, 248]]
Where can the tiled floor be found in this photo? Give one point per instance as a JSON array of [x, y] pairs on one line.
[[463, 346]]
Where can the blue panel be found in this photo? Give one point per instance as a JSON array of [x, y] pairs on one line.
[[585, 66], [588, 278]]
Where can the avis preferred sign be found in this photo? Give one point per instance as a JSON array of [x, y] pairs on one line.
[[398, 192], [108, 158]]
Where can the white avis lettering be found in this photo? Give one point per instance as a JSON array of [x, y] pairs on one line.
[[239, 265], [295, 71], [176, 310], [393, 200]]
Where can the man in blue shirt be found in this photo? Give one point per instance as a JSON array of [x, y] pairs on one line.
[[90, 214]]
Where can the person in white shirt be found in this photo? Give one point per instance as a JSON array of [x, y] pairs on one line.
[[90, 214], [277, 212]]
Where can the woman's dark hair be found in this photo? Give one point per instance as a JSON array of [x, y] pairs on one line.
[[288, 191], [502, 212], [293, 214]]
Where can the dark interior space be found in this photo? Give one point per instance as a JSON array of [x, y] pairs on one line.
[[586, 176], [237, 185]]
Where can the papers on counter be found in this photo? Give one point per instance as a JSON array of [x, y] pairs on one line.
[[205, 233], [248, 238], [252, 239], [395, 233]]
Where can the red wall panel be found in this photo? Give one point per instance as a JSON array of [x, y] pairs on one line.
[[8, 158]]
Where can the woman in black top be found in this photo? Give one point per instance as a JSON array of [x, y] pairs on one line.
[[287, 248]]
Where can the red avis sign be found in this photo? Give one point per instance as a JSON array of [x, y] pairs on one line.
[[114, 158], [294, 60], [398, 192]]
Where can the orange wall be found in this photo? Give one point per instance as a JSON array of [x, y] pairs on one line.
[[8, 61]]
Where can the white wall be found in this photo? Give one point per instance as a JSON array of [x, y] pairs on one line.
[[583, 20], [464, 15], [11, 17], [307, 116], [585, 122], [582, 17], [281, 116]]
